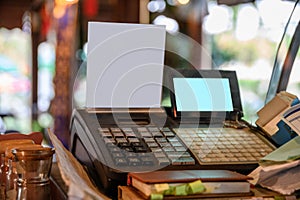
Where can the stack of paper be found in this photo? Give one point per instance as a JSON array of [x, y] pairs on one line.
[[292, 118], [271, 117], [271, 113], [280, 170], [73, 174]]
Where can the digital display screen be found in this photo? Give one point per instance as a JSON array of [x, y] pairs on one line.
[[202, 94]]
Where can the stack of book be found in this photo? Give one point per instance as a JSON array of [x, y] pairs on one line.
[[184, 184]]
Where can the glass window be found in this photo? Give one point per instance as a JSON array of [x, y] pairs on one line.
[[243, 37], [248, 43], [15, 76]]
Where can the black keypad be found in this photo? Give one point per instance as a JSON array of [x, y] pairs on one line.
[[145, 146]]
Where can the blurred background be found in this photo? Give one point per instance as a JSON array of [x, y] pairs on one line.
[[43, 50]]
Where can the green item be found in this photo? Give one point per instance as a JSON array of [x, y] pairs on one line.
[[156, 196], [288, 152], [195, 187], [181, 190]]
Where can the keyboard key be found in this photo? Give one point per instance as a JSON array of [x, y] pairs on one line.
[[130, 134], [160, 155], [180, 148], [148, 140], [103, 130], [117, 155], [147, 160], [126, 148], [140, 149], [161, 140], [106, 134], [153, 129], [176, 144], [168, 149], [132, 140], [136, 144], [109, 141], [183, 161], [134, 161], [115, 130], [114, 149], [163, 161], [165, 145], [127, 130], [152, 145], [121, 162], [130, 155], [168, 134], [146, 134], [157, 134], [156, 149]]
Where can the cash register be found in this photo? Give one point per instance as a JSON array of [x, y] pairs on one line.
[[111, 143], [193, 133]]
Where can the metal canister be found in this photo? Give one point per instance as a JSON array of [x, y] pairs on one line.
[[33, 165]]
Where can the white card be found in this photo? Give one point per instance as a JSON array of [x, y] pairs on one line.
[[124, 65]]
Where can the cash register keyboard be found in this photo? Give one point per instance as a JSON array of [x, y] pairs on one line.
[[224, 145], [142, 146], [145, 146]]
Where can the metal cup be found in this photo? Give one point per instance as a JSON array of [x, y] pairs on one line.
[[33, 165]]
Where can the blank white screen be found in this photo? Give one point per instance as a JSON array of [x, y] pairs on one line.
[[202, 94]]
